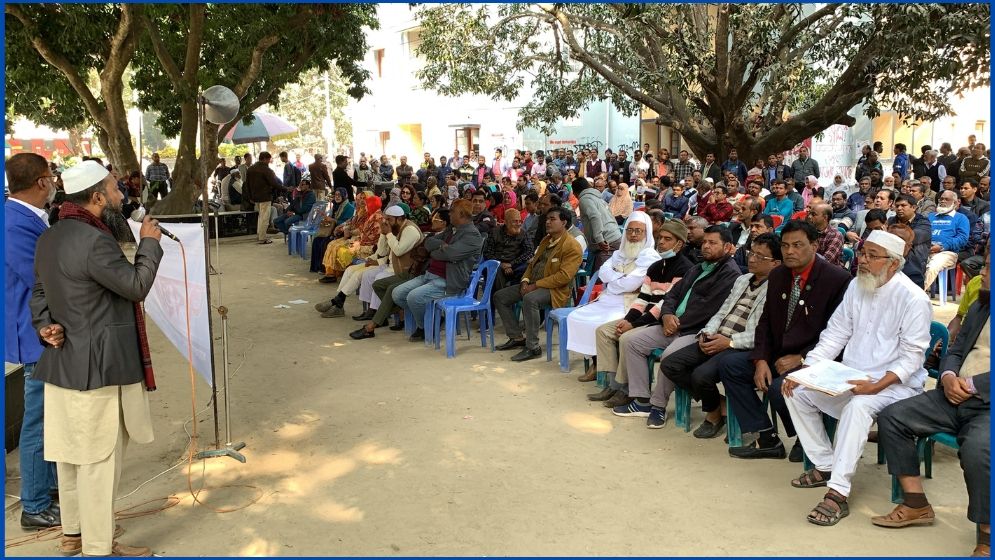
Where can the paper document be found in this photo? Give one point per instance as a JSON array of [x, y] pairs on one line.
[[297, 301], [829, 377]]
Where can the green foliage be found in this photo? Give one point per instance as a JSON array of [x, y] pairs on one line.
[[761, 76], [303, 104], [311, 36]]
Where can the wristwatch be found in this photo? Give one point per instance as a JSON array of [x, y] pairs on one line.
[[732, 344]]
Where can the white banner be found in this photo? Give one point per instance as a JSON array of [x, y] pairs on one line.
[[166, 303]]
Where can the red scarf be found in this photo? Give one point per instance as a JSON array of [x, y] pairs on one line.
[[70, 211]]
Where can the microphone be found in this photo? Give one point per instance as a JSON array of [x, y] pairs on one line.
[[139, 214]]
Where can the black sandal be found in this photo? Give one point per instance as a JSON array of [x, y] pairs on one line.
[[808, 479], [833, 515]]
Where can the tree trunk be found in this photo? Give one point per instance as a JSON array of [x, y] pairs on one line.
[[122, 152], [187, 170]]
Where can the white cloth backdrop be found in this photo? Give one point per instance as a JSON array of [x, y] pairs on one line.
[[166, 305]]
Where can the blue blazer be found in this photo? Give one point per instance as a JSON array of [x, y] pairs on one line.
[[22, 229]]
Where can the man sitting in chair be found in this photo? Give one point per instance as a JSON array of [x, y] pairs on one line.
[[511, 246], [546, 283], [960, 406], [298, 209], [882, 329], [729, 333]]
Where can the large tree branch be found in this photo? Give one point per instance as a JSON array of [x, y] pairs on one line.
[[162, 53], [722, 49], [123, 43], [195, 38], [59, 61]]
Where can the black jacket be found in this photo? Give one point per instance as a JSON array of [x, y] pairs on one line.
[[707, 295]]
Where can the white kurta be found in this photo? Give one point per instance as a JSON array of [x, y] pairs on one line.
[[885, 331], [611, 305]]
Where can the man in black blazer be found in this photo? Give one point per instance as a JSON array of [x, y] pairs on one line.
[[780, 346], [961, 405]]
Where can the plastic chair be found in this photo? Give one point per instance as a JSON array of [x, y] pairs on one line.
[[733, 431], [946, 281], [777, 219], [843, 231], [300, 233], [847, 257], [799, 215], [682, 398], [451, 307], [559, 317], [668, 215]]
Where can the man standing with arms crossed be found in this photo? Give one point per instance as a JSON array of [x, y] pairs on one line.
[[96, 365]]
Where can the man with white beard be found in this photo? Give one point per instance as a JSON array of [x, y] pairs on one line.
[[882, 328]]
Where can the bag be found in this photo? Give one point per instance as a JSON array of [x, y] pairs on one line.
[[419, 259]]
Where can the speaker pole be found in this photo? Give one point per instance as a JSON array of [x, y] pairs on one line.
[[229, 449]]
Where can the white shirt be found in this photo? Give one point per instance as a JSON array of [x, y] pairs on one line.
[[885, 331], [40, 212]]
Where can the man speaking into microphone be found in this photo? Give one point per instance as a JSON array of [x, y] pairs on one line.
[[95, 364]]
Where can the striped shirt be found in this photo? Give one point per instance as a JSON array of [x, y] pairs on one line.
[[157, 172]]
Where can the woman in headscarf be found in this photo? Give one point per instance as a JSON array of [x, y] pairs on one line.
[[509, 200], [621, 204], [342, 210], [622, 275], [340, 214], [358, 240], [407, 193]]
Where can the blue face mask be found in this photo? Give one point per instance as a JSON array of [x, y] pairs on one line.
[[668, 254]]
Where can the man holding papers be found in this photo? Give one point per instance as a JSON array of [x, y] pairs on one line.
[[882, 328]]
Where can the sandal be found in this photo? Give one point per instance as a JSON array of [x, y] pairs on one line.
[[903, 516], [812, 478], [833, 516]]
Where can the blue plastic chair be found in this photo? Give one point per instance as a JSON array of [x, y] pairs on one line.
[[847, 257], [945, 283], [300, 233], [682, 398], [559, 317], [451, 307]]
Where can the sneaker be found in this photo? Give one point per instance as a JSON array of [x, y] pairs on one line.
[[797, 454], [334, 311], [323, 306], [657, 418], [633, 409]]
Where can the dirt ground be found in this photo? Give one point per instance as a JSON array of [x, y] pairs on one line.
[[384, 447]]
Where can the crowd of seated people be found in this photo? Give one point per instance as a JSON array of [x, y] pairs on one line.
[[735, 282]]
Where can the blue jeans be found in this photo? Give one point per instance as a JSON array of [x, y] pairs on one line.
[[418, 293], [37, 474], [284, 222]]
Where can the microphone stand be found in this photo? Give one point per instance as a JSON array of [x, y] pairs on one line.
[[229, 449]]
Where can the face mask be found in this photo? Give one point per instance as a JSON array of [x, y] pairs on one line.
[[669, 253]]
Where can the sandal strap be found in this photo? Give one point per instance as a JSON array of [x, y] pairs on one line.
[[828, 512], [840, 500]]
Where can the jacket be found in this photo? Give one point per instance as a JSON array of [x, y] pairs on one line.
[[261, 182], [460, 254], [320, 180], [707, 294], [85, 283], [22, 227], [599, 224], [398, 248], [821, 295], [741, 340], [978, 314], [560, 269], [803, 168], [915, 262]]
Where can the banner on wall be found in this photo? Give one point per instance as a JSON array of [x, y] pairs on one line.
[[166, 304]]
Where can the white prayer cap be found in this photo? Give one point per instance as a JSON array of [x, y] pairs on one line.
[[889, 241], [710, 180], [83, 176], [394, 211], [811, 178]]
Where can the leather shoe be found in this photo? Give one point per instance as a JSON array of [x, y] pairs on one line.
[[327, 280], [904, 516], [618, 399], [797, 454], [604, 395], [364, 316], [527, 354], [710, 429], [418, 335], [511, 344], [71, 546], [44, 519], [756, 452], [361, 333], [590, 375], [123, 550]]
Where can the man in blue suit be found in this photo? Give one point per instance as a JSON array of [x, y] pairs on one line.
[[32, 186]]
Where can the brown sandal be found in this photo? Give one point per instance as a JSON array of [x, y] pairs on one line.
[[812, 478], [904, 516], [832, 516]]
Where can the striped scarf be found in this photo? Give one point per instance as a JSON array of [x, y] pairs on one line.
[[70, 211]]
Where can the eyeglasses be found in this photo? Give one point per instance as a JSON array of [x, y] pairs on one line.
[[754, 254], [862, 255], [52, 177], [632, 231]]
